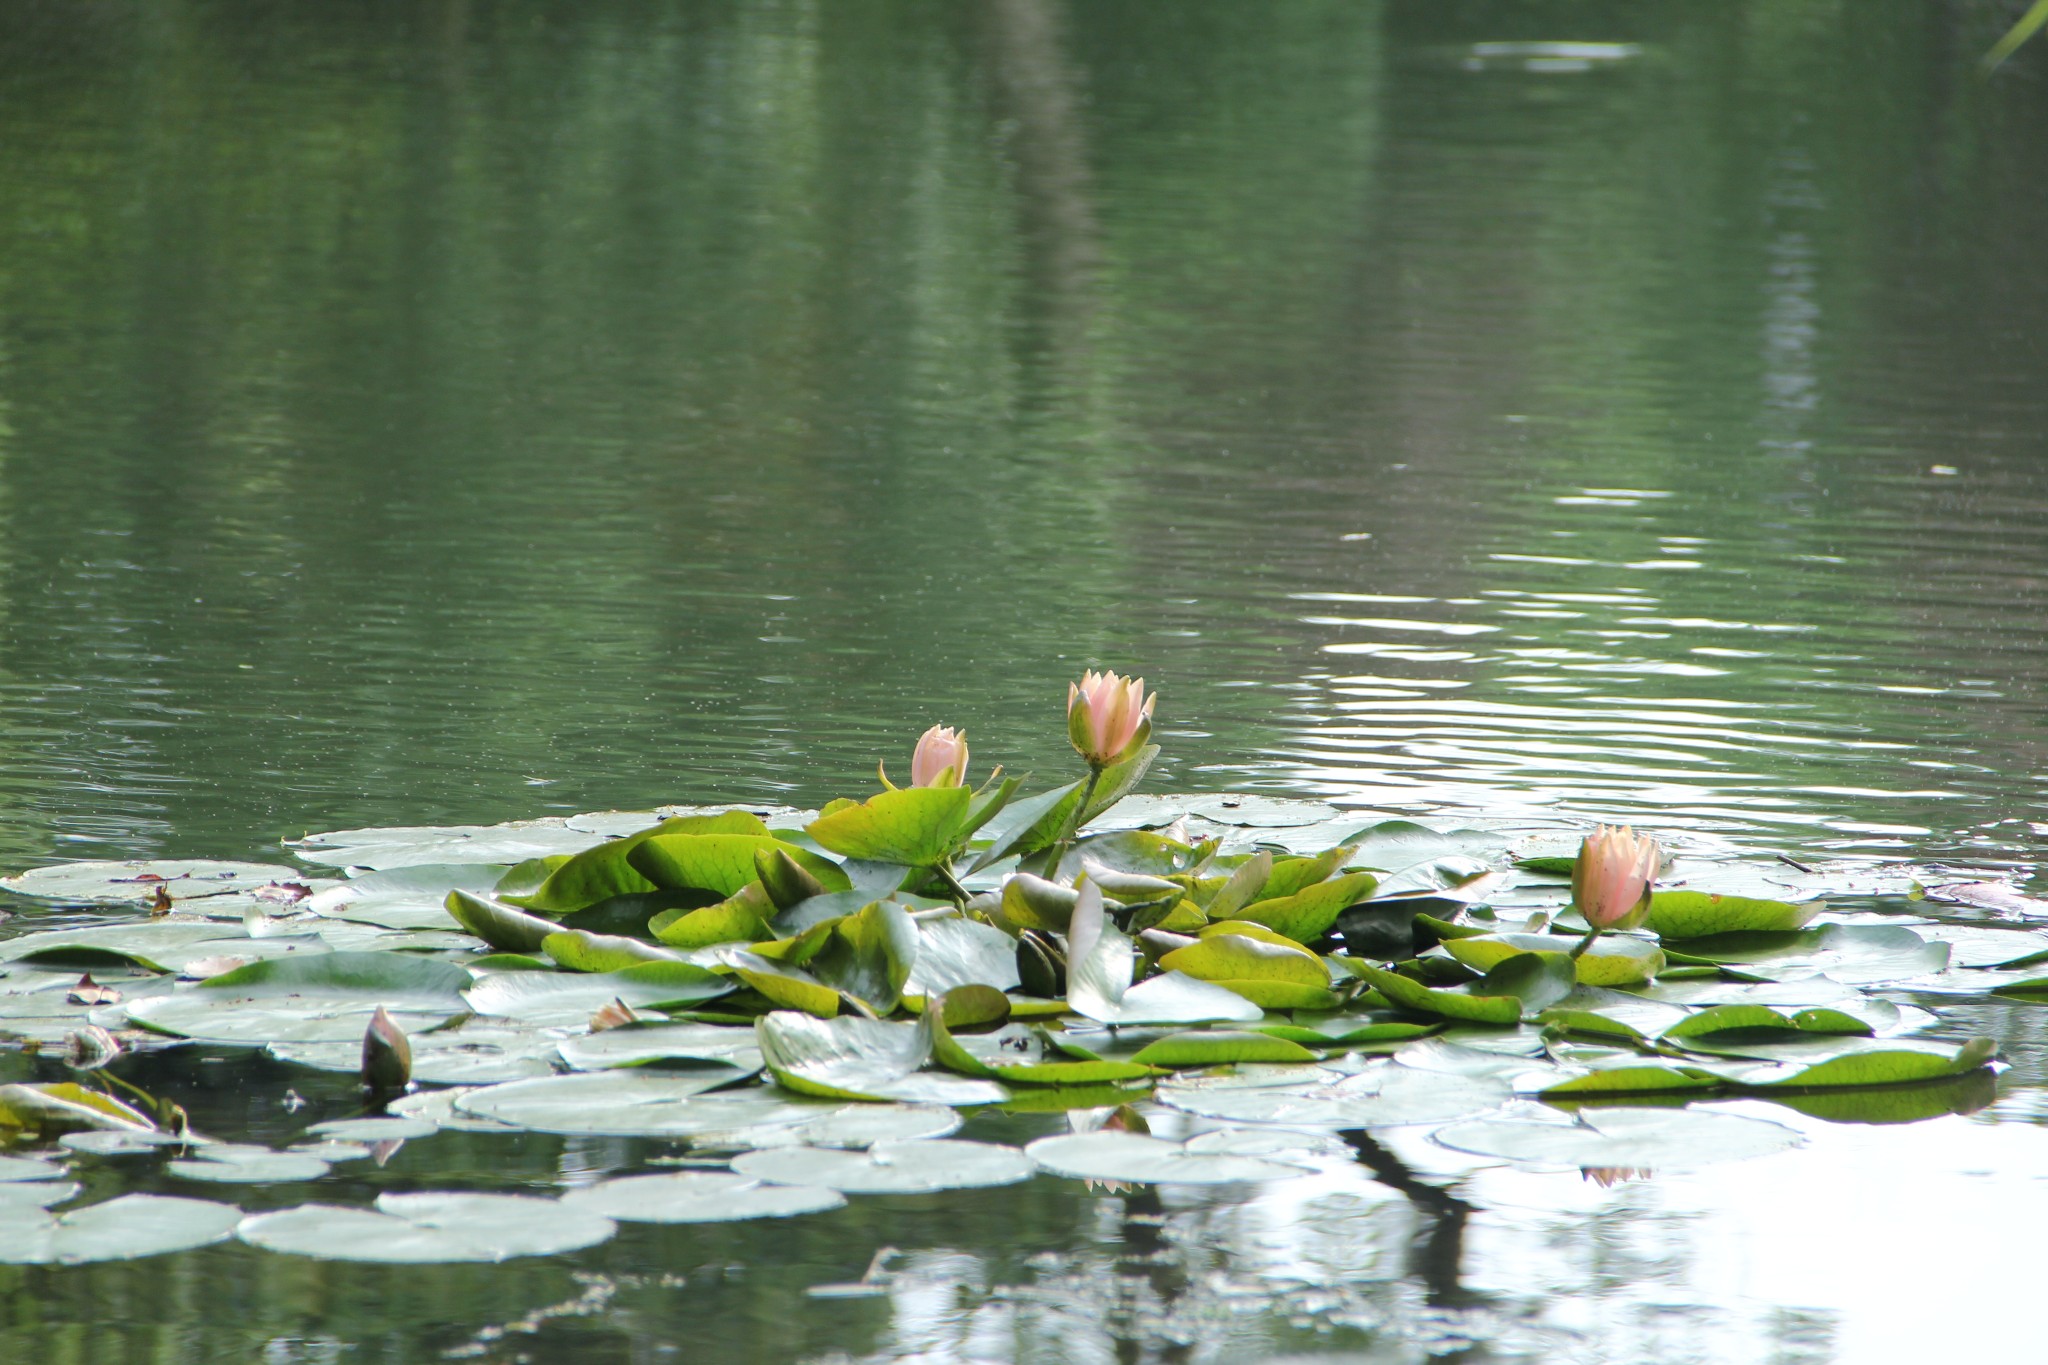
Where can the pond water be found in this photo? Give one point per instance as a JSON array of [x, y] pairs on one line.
[[461, 412]]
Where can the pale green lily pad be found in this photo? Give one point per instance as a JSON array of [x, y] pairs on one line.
[[699, 1197], [1636, 1139], [383, 849], [891, 1168], [160, 945], [474, 1054], [39, 1194], [374, 1130], [639, 1044], [105, 1142], [124, 1229], [959, 952], [1384, 1096], [235, 1163], [569, 998], [854, 1125], [633, 1103], [1099, 981], [424, 1228], [1392, 845], [862, 1059], [438, 1108], [14, 1168], [1137, 1159], [317, 998], [122, 883]]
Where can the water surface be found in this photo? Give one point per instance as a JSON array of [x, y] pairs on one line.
[[463, 411]]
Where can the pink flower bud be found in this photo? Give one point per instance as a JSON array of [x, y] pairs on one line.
[[1612, 879], [1108, 716], [941, 758]]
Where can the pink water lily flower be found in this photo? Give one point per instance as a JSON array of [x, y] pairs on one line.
[[941, 758], [1108, 716], [1612, 878]]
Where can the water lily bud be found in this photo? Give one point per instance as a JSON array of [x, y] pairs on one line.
[[1108, 717], [941, 758], [1613, 877], [387, 1055]]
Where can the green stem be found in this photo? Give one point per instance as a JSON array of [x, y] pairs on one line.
[[945, 872], [1061, 844], [1579, 949]]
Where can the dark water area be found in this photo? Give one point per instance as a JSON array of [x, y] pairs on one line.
[[460, 412]]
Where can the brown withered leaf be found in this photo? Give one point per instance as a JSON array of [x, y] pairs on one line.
[[282, 893], [160, 903], [617, 1014]]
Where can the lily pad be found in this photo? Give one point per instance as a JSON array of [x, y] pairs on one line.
[[1384, 1096], [640, 1044], [1638, 1139], [1697, 914], [1134, 1158], [123, 1229], [315, 998], [235, 1163], [122, 883], [699, 1197], [421, 1228], [558, 998], [862, 1059], [891, 1168], [915, 826], [633, 1103]]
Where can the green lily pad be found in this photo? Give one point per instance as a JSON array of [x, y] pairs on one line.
[[1392, 845], [914, 826], [502, 926], [954, 952], [1613, 960], [1446, 1004], [1307, 915], [699, 1197], [383, 849], [1889, 1067], [1699, 914], [128, 883], [1136, 1159], [890, 1168], [721, 864], [124, 1229], [423, 1228], [1219, 1047], [1272, 975]]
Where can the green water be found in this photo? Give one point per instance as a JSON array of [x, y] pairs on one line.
[[450, 412]]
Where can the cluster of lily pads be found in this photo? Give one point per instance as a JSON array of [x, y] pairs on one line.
[[809, 1004]]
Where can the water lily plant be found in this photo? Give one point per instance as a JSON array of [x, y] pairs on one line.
[[1613, 879]]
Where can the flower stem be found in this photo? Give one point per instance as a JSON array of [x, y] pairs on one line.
[[959, 892], [1579, 948], [1061, 844]]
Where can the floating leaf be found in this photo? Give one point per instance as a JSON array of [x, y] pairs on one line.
[[1639, 1139], [1635, 1080], [323, 997], [1136, 1159], [735, 920], [579, 951], [1214, 1048], [1613, 960], [891, 1168], [565, 998], [123, 1229], [1382, 1096], [698, 1197], [1393, 845], [1421, 999], [1273, 975], [721, 864], [1889, 1067], [640, 1044], [861, 1059], [502, 926], [954, 952], [234, 1163], [913, 826], [1698, 914], [1308, 915], [633, 1103], [418, 1228]]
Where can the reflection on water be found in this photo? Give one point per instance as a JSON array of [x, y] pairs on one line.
[[460, 411]]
